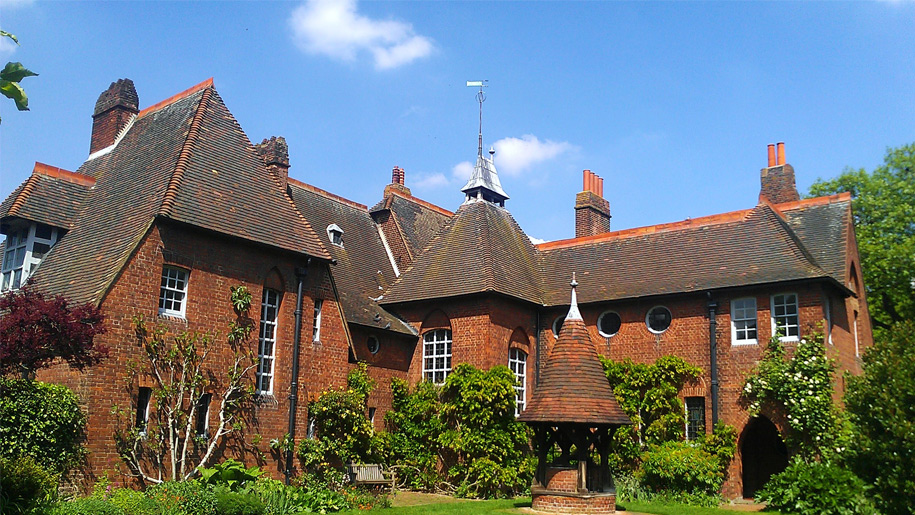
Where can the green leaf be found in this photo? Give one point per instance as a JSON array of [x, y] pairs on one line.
[[15, 72], [15, 92], [6, 34]]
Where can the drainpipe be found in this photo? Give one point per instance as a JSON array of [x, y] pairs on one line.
[[713, 350], [537, 345], [300, 274]]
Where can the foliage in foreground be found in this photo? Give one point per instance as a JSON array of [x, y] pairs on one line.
[[25, 487], [36, 329], [816, 488], [10, 77], [883, 205], [881, 406], [42, 421], [461, 438]]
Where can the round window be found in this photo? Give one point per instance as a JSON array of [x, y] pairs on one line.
[[557, 325], [658, 319], [609, 323], [373, 345]]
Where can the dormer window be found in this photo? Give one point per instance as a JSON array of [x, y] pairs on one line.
[[25, 248], [335, 234]]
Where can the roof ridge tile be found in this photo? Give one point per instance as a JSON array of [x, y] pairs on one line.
[[176, 97], [65, 175], [174, 182]]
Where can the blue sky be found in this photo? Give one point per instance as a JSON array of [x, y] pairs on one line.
[[671, 103]]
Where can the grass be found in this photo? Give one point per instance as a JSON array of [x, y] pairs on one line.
[[410, 503]]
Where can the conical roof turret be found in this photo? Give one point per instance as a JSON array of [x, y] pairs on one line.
[[573, 387]]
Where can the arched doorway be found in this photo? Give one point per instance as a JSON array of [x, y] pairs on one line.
[[763, 453]]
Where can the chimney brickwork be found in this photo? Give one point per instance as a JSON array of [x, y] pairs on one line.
[[113, 111], [592, 211], [777, 183], [398, 178], [275, 153]]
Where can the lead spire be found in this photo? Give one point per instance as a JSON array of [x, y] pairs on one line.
[[574, 314], [484, 183]]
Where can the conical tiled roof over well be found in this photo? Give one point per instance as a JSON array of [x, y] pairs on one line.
[[573, 386]]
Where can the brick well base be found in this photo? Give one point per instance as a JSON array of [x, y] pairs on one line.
[[568, 502]]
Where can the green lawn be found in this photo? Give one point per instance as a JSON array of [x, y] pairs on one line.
[[409, 503]]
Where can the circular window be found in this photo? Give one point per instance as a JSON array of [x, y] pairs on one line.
[[609, 323], [557, 325], [658, 319], [373, 345]]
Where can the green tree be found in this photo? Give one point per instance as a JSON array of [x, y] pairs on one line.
[[10, 77], [884, 210], [881, 405]]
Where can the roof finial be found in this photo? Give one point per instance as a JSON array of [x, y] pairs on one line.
[[481, 97], [574, 314]]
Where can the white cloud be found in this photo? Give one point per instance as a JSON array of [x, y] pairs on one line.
[[462, 171], [334, 28], [535, 241], [12, 4], [516, 155], [428, 182]]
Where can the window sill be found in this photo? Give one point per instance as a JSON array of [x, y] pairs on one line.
[[744, 343]]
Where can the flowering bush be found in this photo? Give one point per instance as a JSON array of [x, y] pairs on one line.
[[801, 387]]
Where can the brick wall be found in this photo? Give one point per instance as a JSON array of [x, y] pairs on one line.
[[215, 265], [592, 505]]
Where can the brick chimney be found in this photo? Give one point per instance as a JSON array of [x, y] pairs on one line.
[[592, 211], [397, 182], [777, 179], [275, 154], [113, 110]]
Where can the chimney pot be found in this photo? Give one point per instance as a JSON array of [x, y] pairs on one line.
[[600, 187], [771, 149], [780, 160], [584, 179]]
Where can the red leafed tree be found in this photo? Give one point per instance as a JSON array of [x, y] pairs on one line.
[[35, 330]]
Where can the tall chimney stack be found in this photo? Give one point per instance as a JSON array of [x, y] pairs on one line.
[[113, 111], [777, 183], [398, 180], [592, 211], [275, 153]]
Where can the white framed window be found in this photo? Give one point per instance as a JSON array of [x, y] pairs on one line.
[[437, 355], [609, 323], [827, 311], [743, 321], [316, 321], [335, 234], [785, 316], [266, 347], [517, 362], [173, 292], [25, 248], [695, 417], [658, 319], [142, 419]]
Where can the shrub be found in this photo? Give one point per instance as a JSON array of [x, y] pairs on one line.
[[88, 506], [237, 503], [43, 421], [230, 473], [815, 488], [133, 502], [183, 498], [24, 486], [681, 469]]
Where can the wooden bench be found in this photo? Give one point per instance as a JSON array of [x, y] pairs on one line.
[[370, 474]]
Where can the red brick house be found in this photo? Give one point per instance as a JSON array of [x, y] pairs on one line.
[[175, 204]]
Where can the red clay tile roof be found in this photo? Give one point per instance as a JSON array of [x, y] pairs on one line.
[[186, 160], [573, 387], [50, 195], [481, 249], [419, 221], [363, 269], [750, 247], [823, 229]]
